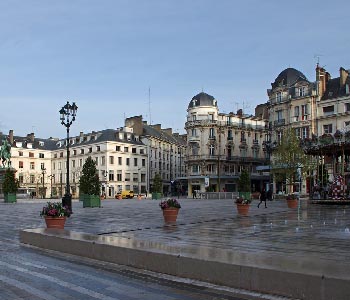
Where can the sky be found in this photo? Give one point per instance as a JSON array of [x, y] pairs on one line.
[[106, 55]]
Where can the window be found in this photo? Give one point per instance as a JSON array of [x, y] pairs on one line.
[[74, 152], [80, 162], [143, 162], [32, 165], [90, 149], [119, 176], [347, 107], [211, 133], [20, 153], [117, 148], [127, 161], [61, 154], [296, 113], [211, 168], [20, 164], [304, 112], [195, 168], [73, 163], [243, 139], [127, 176], [126, 149], [327, 128], [32, 179], [81, 151], [103, 160], [135, 162], [133, 150], [31, 154], [41, 155], [42, 166], [301, 91], [111, 160], [193, 131], [111, 175], [59, 165], [20, 178], [297, 132], [211, 150], [328, 110], [305, 132], [120, 161], [194, 117], [278, 97], [54, 166], [279, 115], [98, 148], [142, 151]]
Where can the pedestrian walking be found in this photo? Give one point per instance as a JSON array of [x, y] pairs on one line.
[[262, 197], [194, 194]]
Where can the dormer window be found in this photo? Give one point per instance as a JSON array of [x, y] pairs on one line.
[[278, 96], [301, 91], [41, 143]]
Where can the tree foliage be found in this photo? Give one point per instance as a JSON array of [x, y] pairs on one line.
[[89, 181], [289, 160], [10, 184], [244, 182], [157, 186]]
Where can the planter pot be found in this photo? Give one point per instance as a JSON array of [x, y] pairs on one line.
[[243, 209], [292, 203], [92, 201], [10, 198], [156, 196], [170, 214], [55, 222]]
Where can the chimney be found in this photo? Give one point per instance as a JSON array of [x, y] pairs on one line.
[[11, 136], [321, 80], [30, 136], [168, 131], [157, 127], [343, 76], [135, 123], [240, 112]]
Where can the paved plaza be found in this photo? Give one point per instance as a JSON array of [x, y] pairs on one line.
[[309, 243]]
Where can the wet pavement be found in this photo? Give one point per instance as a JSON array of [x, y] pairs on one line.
[[312, 231]]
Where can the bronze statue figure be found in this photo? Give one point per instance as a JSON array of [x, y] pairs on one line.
[[5, 153]]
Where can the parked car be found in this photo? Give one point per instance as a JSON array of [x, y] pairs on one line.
[[126, 194]]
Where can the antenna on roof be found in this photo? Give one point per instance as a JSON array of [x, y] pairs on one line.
[[318, 58], [149, 105]]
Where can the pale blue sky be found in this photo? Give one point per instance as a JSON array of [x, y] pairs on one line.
[[104, 55]]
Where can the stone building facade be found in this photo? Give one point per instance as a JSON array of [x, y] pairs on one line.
[[220, 146]]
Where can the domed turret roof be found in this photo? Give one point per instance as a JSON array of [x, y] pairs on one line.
[[288, 77], [202, 99]]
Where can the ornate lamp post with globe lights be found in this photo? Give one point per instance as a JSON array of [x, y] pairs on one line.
[[67, 116]]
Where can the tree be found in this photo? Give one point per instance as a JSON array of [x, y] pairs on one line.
[[289, 161], [10, 184], [244, 182], [157, 186], [89, 181]]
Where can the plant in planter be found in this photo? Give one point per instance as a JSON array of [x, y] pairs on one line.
[[55, 214], [157, 187], [243, 205], [244, 185], [90, 185], [170, 208], [10, 186]]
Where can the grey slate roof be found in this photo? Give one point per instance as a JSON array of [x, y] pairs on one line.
[[288, 77], [202, 99], [334, 90], [150, 131], [47, 144]]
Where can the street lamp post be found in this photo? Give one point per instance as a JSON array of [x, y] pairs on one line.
[[43, 171], [67, 116], [51, 176]]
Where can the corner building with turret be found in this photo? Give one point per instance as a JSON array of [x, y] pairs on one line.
[[220, 146]]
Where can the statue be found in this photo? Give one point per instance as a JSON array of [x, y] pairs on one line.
[[5, 152]]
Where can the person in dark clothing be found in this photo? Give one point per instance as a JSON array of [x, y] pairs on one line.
[[262, 197]]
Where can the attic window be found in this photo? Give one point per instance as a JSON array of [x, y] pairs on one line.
[[41, 143]]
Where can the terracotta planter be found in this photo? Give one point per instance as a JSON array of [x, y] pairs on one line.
[[292, 203], [55, 222], [243, 209], [170, 214]]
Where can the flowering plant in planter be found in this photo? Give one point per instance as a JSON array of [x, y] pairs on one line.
[[241, 200], [292, 197], [55, 209], [169, 203]]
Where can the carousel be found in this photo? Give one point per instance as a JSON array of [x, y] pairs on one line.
[[331, 182]]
